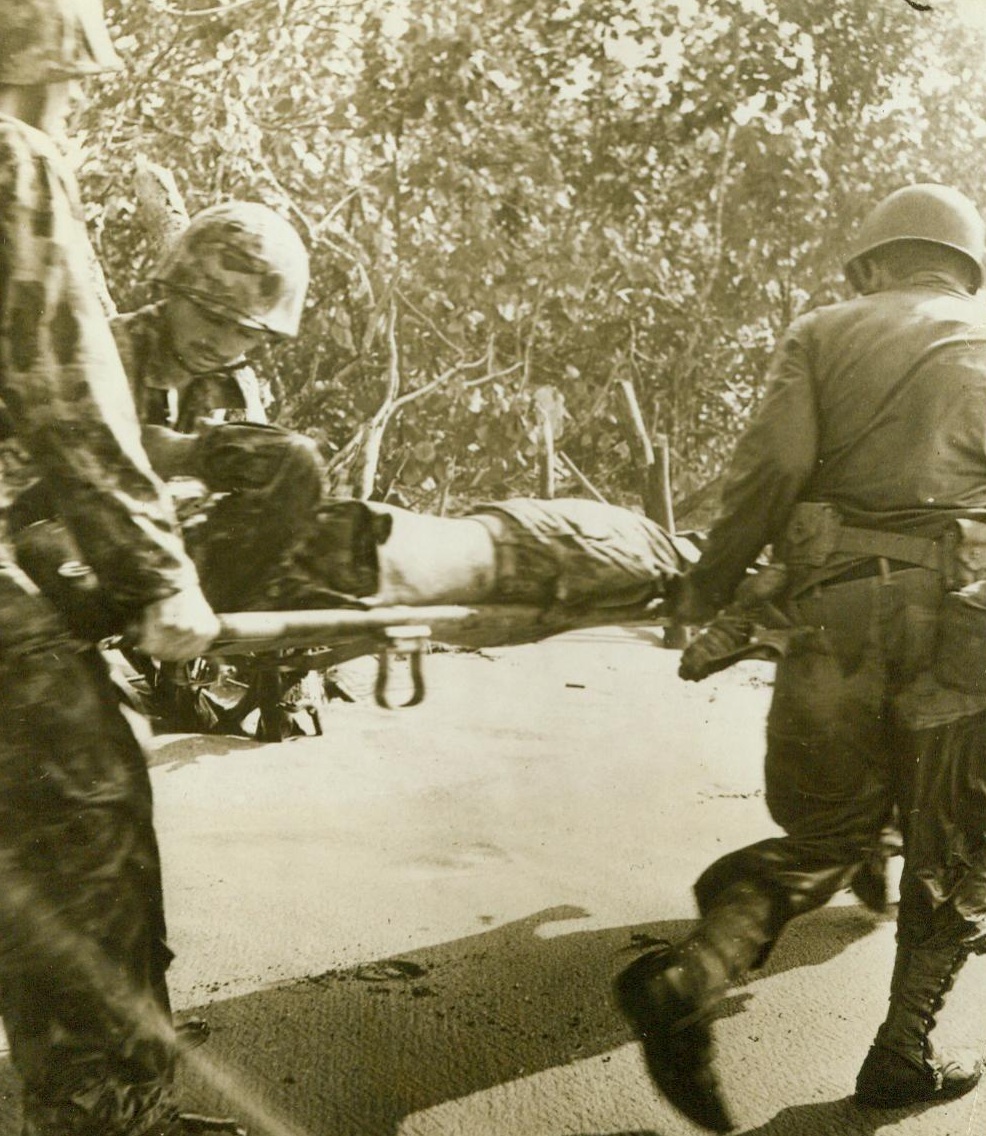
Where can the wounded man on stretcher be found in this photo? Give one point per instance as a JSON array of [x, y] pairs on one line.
[[568, 558], [303, 584]]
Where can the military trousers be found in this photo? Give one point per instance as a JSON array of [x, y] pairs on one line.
[[844, 761], [83, 957]]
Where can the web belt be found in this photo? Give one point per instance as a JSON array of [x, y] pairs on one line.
[[922, 551]]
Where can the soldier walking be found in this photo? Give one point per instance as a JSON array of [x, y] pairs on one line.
[[865, 469]]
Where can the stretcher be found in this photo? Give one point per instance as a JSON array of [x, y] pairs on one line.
[[371, 579], [253, 679], [510, 573]]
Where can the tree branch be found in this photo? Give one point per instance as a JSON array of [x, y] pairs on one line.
[[195, 14], [374, 429], [430, 323]]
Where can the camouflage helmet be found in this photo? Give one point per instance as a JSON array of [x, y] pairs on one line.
[[48, 41], [929, 212], [243, 262]]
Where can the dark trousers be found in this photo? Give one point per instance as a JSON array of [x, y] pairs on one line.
[[843, 761]]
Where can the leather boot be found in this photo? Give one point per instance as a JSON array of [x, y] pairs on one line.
[[669, 995], [902, 1067]]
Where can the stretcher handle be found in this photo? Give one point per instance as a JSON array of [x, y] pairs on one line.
[[402, 642]]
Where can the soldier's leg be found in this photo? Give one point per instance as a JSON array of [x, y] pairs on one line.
[[941, 918], [82, 986], [903, 1066], [827, 786]]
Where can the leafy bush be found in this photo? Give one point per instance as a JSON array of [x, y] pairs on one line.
[[503, 197]]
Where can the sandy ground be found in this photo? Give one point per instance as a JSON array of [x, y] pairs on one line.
[[408, 927]]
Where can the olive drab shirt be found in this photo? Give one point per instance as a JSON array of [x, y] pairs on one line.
[[168, 395], [62, 384], [876, 405]]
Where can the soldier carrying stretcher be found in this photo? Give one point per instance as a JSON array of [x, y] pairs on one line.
[[865, 469], [83, 992]]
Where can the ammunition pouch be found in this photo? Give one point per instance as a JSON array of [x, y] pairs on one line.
[[817, 539], [960, 650], [960, 658], [46, 551], [811, 536]]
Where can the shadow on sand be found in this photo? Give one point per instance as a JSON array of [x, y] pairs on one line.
[[354, 1052], [843, 1116]]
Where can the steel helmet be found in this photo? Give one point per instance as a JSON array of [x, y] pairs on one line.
[[243, 262], [926, 212], [47, 41]]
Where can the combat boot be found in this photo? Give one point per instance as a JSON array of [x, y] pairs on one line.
[[902, 1067], [191, 1033], [670, 994]]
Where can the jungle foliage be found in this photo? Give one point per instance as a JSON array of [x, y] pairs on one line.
[[512, 205]]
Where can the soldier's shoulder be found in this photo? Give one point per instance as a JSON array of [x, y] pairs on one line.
[[21, 143], [32, 170], [812, 322], [837, 309], [835, 317]]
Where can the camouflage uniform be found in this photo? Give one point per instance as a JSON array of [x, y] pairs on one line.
[[82, 988]]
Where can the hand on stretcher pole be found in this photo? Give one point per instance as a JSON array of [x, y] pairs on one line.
[[324, 637], [395, 633]]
